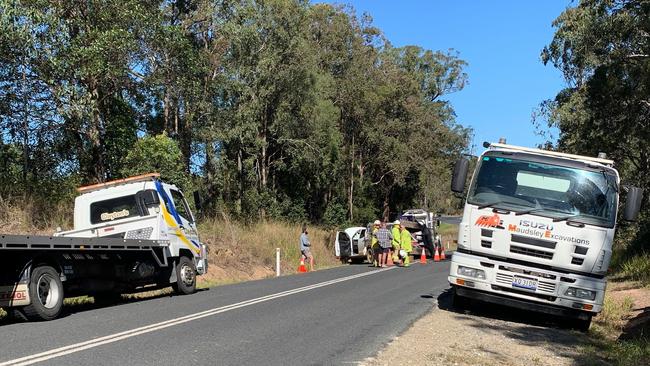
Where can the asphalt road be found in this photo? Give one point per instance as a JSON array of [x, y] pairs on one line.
[[330, 317], [454, 220]]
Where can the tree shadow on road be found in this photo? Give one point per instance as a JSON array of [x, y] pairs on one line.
[[525, 327], [83, 304]]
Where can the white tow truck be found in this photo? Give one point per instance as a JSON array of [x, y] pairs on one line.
[[130, 235], [537, 230]]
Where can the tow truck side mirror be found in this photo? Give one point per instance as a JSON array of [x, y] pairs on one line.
[[460, 175], [632, 203], [198, 203]]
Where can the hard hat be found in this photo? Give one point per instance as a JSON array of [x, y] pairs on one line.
[[377, 222], [396, 222]]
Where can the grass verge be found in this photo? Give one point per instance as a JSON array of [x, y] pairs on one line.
[[619, 334], [449, 235]]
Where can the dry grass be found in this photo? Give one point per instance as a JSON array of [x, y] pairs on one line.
[[623, 302], [449, 235], [242, 252], [27, 217]]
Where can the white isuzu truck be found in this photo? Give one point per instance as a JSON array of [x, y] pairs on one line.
[[537, 230], [130, 235]]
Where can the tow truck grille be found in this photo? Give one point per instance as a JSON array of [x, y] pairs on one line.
[[531, 252], [542, 286]]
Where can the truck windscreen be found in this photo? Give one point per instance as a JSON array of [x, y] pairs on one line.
[[576, 194]]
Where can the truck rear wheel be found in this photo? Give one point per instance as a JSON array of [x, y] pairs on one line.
[[185, 277], [46, 294]]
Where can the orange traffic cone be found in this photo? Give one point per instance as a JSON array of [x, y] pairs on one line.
[[423, 256], [302, 268], [436, 257], [389, 261], [442, 254]]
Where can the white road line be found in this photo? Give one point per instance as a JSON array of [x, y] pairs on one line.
[[96, 342]]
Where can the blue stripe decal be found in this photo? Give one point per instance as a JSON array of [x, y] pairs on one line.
[[168, 203], [195, 244]]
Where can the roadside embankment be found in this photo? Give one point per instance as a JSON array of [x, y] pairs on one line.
[[490, 335]]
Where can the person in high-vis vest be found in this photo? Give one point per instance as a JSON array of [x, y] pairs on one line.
[[396, 239], [374, 243], [405, 246]]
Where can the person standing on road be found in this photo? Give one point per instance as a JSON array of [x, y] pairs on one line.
[[374, 243], [396, 239], [405, 245], [305, 248], [384, 238]]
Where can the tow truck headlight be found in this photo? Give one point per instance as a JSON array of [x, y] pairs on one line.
[[471, 272], [580, 293]]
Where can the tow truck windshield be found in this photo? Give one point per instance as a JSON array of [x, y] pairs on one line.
[[579, 194]]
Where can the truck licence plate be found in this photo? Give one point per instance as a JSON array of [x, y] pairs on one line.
[[522, 282]]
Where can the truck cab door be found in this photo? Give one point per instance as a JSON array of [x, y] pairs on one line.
[[188, 225], [358, 242], [343, 247]]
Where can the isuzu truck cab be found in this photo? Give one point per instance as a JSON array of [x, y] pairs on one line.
[[537, 230]]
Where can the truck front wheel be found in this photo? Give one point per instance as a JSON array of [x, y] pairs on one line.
[[46, 294], [185, 277], [581, 324]]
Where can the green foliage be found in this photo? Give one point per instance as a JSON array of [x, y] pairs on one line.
[[158, 154], [282, 109], [602, 48], [335, 215]]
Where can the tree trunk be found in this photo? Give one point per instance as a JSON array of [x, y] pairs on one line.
[[240, 172], [97, 167], [25, 127], [351, 191], [386, 210]]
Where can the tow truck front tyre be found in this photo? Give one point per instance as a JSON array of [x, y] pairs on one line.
[[46, 294], [185, 277]]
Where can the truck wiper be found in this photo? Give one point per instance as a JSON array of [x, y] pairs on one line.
[[530, 210], [489, 204], [565, 218]]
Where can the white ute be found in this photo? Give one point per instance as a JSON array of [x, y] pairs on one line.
[[537, 230], [129, 235]]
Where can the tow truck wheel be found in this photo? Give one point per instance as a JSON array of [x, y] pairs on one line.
[[46, 294], [185, 277]]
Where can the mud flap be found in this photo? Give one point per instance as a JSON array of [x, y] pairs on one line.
[[12, 296]]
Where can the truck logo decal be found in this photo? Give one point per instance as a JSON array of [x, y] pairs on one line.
[[106, 216], [490, 221]]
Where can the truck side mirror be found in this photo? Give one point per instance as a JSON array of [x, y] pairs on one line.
[[198, 203], [460, 175], [632, 203]]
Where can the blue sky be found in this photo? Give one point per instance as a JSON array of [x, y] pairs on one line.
[[500, 40]]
